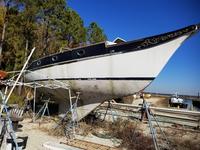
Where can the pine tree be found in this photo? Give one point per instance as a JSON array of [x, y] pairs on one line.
[[2, 29], [95, 34], [11, 41], [49, 18], [28, 24], [48, 25], [73, 30]]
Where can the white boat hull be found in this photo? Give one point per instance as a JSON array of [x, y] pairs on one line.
[[93, 92], [108, 76], [137, 64]]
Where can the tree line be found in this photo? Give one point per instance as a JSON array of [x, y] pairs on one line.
[[48, 25]]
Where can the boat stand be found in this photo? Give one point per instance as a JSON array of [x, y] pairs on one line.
[[69, 124], [145, 110], [43, 109], [74, 115], [109, 107]]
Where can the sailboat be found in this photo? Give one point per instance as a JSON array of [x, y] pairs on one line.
[[107, 70]]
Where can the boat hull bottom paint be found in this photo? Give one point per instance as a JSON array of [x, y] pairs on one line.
[[92, 92]]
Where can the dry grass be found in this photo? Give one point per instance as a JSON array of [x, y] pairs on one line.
[[49, 127], [184, 140], [164, 102], [132, 138], [85, 129], [58, 132], [185, 144]]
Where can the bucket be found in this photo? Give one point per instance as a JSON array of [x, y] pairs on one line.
[[11, 144], [15, 125]]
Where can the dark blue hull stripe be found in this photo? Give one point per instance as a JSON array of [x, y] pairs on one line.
[[116, 78]]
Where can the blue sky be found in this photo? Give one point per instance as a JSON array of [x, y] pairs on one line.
[[134, 19]]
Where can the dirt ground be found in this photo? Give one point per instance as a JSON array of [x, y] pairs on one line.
[[134, 134], [36, 137], [103, 133], [40, 133]]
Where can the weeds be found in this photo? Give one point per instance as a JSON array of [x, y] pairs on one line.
[[132, 138], [184, 140]]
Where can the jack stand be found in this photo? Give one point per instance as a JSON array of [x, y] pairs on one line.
[[149, 114], [28, 108], [110, 108], [70, 125], [74, 115], [43, 109]]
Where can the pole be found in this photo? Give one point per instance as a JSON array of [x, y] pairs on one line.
[[34, 102], [152, 130], [70, 99], [18, 77]]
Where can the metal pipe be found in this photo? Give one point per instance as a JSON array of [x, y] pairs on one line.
[[19, 76], [151, 126], [34, 103], [159, 109]]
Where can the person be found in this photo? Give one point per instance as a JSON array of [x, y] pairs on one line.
[[144, 109], [29, 96], [28, 99]]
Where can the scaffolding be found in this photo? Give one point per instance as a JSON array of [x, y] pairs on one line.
[[5, 120], [7, 123], [50, 84]]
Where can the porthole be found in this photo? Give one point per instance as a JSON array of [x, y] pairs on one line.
[[39, 62], [54, 58], [80, 52]]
